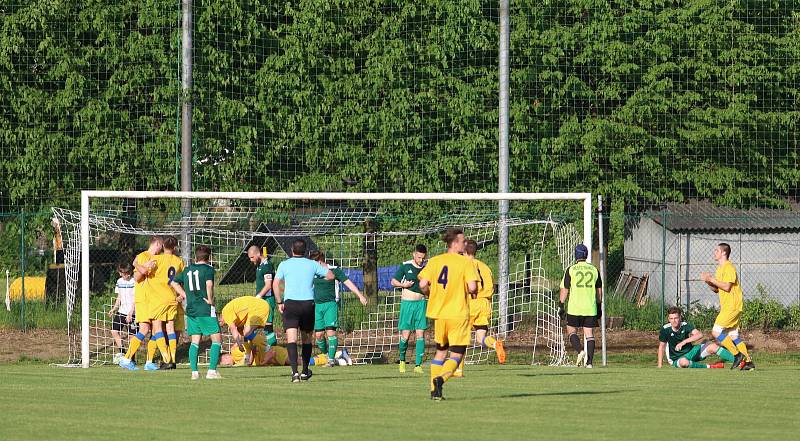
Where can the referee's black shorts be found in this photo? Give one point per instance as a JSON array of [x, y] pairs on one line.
[[298, 314], [582, 321]]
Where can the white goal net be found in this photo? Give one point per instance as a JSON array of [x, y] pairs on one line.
[[367, 235]]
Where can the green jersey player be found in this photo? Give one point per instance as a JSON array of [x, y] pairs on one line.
[[265, 272], [412, 306], [678, 341]]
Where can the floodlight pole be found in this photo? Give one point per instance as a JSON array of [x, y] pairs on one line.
[[186, 122], [502, 172], [602, 248]]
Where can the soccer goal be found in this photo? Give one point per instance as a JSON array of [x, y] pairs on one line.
[[366, 234]]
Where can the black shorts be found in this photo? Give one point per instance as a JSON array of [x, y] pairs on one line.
[[118, 323], [298, 314], [582, 321]]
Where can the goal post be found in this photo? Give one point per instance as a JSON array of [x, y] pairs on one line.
[[87, 217]]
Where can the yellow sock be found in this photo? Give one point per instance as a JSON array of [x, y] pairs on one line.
[[435, 370], [489, 341], [743, 349], [151, 350], [133, 347], [461, 364], [164, 349], [727, 343], [173, 348], [449, 367]]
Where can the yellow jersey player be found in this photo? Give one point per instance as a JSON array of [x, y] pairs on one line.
[[480, 307], [164, 302], [448, 280], [244, 317], [143, 265], [725, 282]]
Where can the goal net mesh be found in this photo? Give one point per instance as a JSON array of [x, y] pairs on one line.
[[367, 239]]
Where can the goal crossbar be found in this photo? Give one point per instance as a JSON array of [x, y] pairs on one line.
[[87, 195]]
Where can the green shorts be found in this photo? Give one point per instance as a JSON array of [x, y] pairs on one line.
[[326, 315], [202, 325], [412, 315], [272, 305], [693, 354]]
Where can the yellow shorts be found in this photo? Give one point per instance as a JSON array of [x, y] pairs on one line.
[[728, 319], [180, 320], [164, 312], [451, 332], [142, 312], [480, 311]]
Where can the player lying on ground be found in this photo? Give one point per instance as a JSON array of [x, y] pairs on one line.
[[276, 356], [195, 286], [245, 316], [412, 307], [678, 341], [123, 311], [143, 265], [326, 306]]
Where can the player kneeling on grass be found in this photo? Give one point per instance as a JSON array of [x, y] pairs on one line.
[[195, 286], [245, 316], [678, 341]]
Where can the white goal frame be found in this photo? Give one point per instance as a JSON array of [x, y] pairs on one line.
[[87, 195]]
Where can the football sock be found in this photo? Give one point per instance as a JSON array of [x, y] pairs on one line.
[[725, 355], [193, 351], [576, 342], [162, 347], [742, 348], [216, 349], [436, 369], [173, 346], [694, 365], [136, 342], [151, 349], [419, 351], [490, 341], [291, 348], [272, 340], [306, 356], [403, 349], [727, 343], [589, 349], [450, 366], [321, 345], [333, 344]]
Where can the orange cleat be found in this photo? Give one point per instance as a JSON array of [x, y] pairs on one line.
[[501, 352], [719, 365]]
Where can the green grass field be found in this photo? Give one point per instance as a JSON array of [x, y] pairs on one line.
[[630, 400]]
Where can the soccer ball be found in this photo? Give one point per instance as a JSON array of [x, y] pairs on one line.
[[341, 362], [117, 358]]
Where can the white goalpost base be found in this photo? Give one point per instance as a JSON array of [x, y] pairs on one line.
[[525, 290]]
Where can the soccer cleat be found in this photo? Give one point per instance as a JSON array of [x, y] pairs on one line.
[[195, 375], [331, 363], [167, 366], [501, 352], [150, 366], [581, 359], [118, 357], [718, 365], [588, 366], [418, 370], [295, 377], [458, 373], [305, 376], [402, 367], [213, 375], [131, 366], [738, 360], [346, 357], [436, 393], [748, 366]]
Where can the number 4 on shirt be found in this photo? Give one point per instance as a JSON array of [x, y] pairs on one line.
[[442, 280]]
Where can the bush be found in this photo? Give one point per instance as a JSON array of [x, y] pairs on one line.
[[793, 317], [644, 318], [764, 312], [701, 316]]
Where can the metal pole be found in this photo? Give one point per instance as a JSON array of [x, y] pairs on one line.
[[186, 123], [84, 279], [502, 172], [663, 260], [22, 263], [601, 248]]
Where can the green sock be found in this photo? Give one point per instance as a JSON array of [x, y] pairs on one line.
[[403, 349], [333, 343], [216, 348], [725, 354], [272, 340], [322, 346], [193, 350], [420, 351], [694, 365]]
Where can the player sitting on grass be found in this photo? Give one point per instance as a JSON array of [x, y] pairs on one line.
[[164, 302], [123, 311], [480, 307], [678, 341], [244, 317], [412, 307], [143, 264], [195, 286], [326, 306]]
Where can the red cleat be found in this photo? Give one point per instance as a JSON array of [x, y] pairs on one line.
[[719, 365]]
